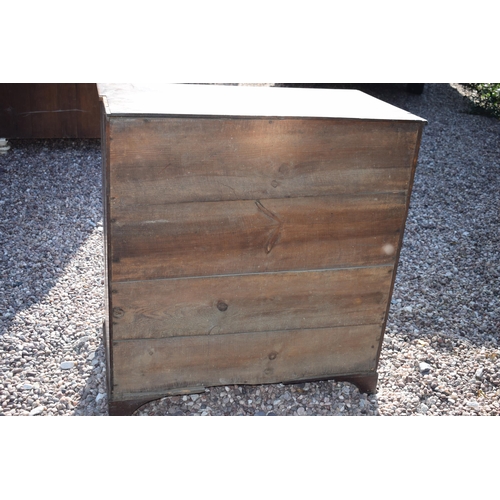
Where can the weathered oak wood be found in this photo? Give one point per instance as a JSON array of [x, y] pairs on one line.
[[202, 239], [250, 303], [251, 236], [156, 161], [242, 358]]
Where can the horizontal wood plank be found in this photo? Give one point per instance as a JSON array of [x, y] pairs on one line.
[[252, 236], [161, 161], [257, 358], [250, 303]]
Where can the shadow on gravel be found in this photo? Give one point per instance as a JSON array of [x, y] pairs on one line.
[[93, 400], [48, 209]]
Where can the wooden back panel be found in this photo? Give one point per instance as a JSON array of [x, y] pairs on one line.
[[244, 247]]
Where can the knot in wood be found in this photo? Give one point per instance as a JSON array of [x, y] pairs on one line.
[[222, 306], [118, 312]]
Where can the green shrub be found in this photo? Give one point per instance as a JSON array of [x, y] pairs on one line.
[[485, 98]]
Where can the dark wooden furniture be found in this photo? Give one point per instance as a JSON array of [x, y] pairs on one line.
[[252, 235], [49, 111]]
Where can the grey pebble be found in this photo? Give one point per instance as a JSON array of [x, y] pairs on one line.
[[424, 367], [36, 411], [67, 365]]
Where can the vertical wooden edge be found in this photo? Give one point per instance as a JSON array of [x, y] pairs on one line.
[[105, 104], [8, 126], [420, 126], [108, 330], [107, 352]]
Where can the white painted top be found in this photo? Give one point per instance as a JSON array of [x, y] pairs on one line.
[[224, 100]]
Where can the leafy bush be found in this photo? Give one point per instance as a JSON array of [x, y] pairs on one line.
[[485, 98]]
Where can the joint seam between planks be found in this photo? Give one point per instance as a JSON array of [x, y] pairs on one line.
[[288, 271], [208, 335], [333, 195]]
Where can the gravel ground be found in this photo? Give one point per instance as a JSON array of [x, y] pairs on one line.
[[440, 353]]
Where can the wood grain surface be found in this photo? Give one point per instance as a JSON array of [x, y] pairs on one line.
[[202, 239], [161, 161], [244, 249], [250, 303], [49, 110], [243, 358]]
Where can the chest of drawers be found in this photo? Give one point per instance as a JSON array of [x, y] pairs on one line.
[[251, 235]]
